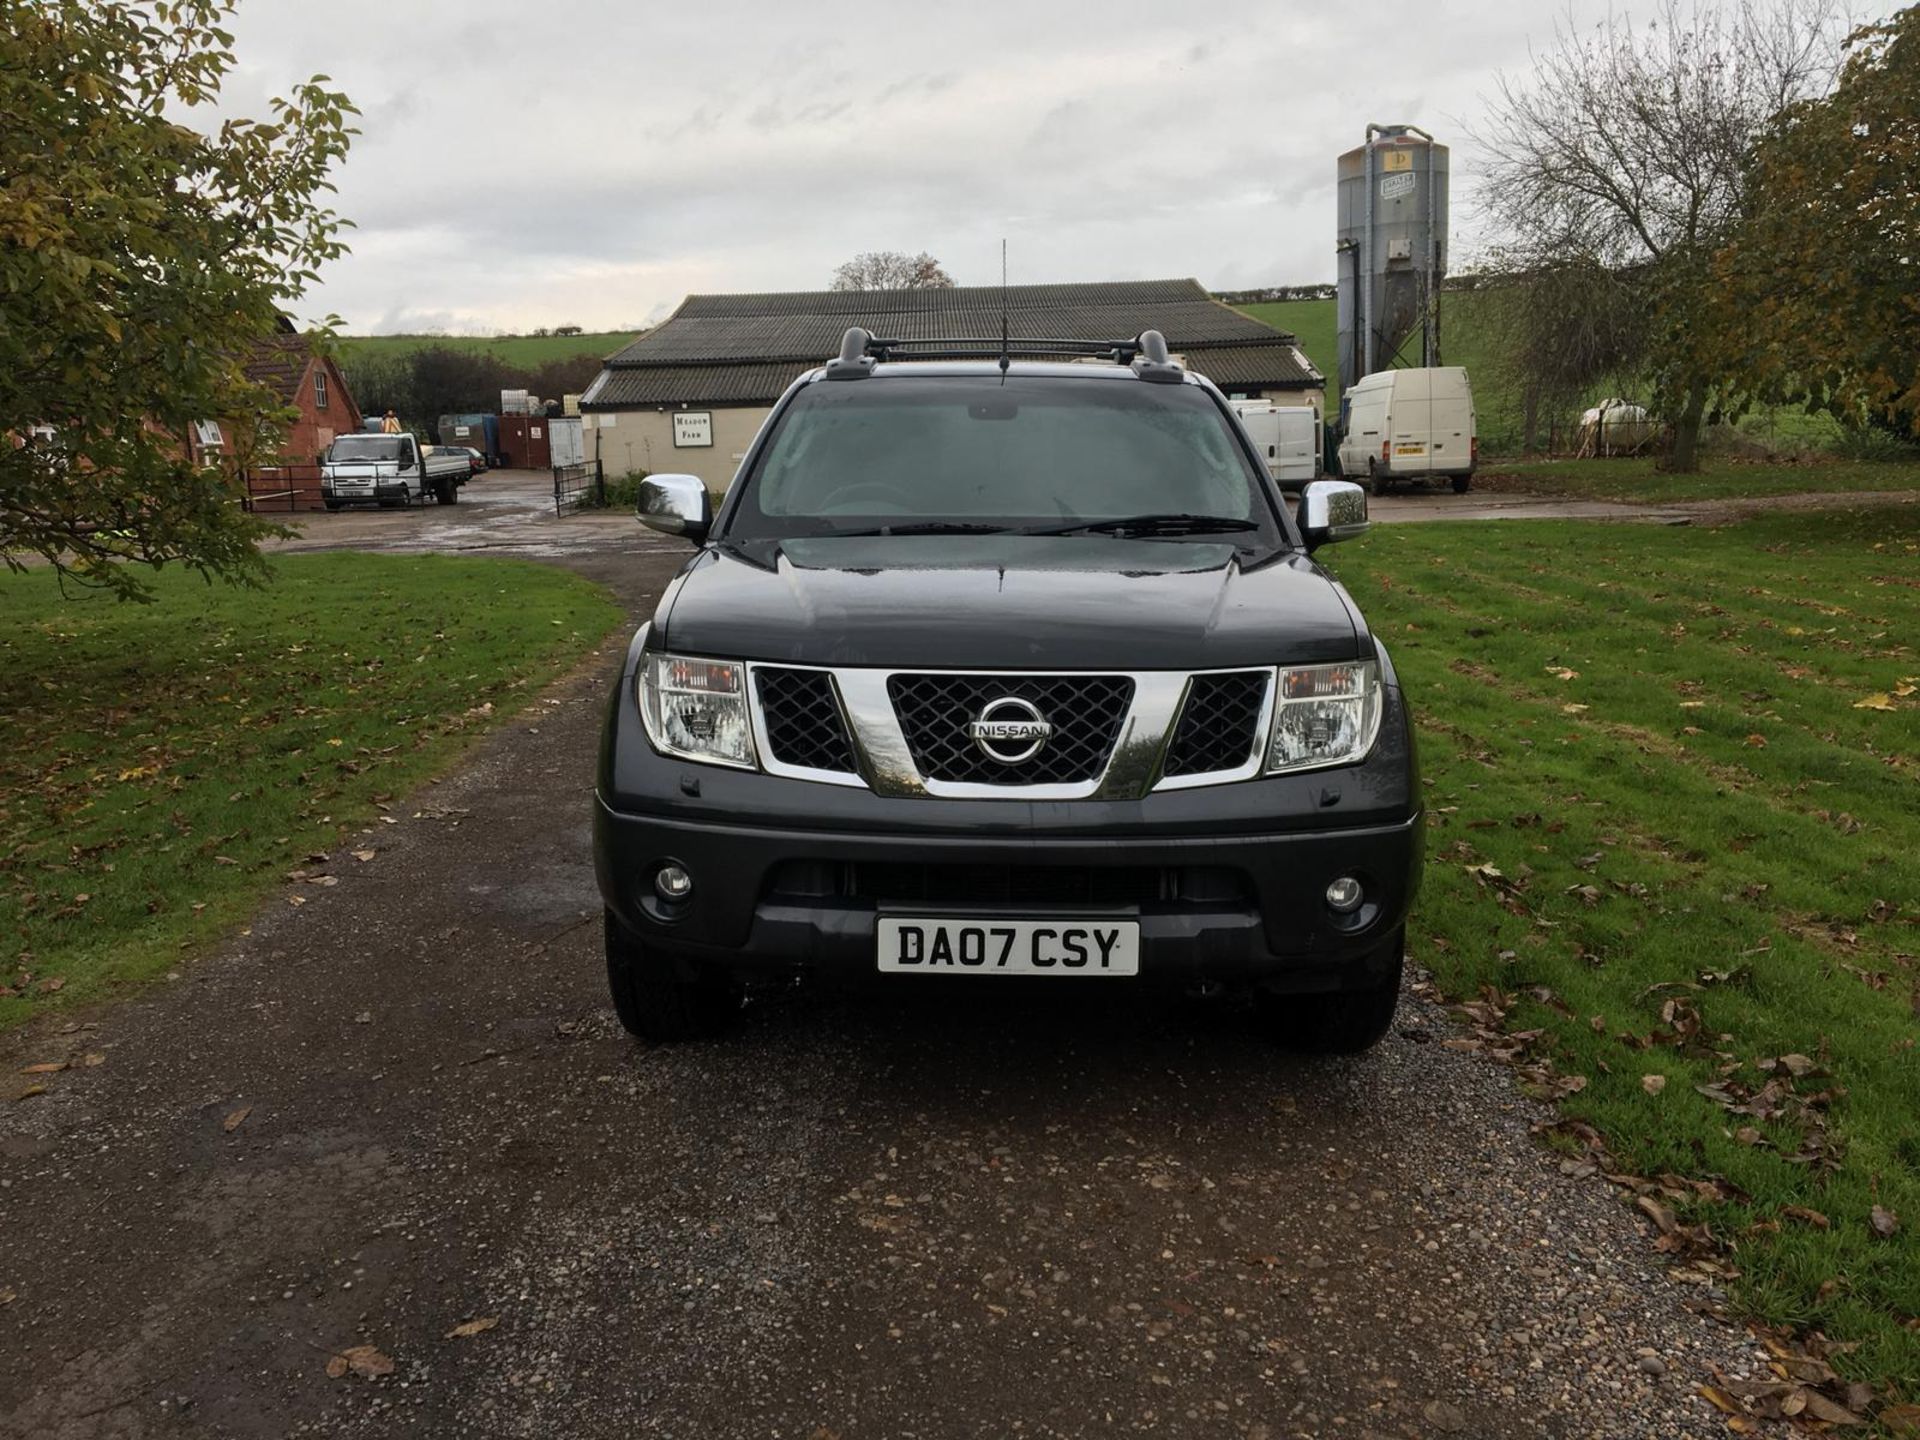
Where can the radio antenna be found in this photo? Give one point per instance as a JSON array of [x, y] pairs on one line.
[[1005, 359]]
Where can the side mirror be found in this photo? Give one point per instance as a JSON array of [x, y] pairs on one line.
[[676, 505], [1331, 511]]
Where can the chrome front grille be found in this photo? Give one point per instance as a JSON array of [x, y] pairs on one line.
[[909, 733], [804, 726], [1220, 723], [1084, 711]]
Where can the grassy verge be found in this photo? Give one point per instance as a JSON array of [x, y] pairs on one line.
[[1720, 479], [1673, 784], [162, 766]]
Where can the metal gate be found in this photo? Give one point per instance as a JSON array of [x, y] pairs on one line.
[[579, 487], [282, 487]]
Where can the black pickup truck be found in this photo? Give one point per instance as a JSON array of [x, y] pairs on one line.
[[1000, 664]]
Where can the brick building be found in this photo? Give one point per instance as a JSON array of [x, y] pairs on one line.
[[309, 383]]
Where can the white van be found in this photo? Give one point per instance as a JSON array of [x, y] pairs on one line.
[[1288, 436], [1411, 425]]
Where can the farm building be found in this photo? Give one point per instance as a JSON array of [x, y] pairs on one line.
[[689, 395], [309, 383]]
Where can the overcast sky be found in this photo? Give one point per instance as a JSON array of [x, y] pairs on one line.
[[590, 163]]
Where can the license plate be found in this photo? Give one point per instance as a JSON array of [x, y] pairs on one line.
[[910, 946], [1410, 449]]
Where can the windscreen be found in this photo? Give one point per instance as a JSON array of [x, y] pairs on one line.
[[1026, 453], [366, 447]]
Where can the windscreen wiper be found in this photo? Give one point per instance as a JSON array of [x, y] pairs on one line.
[[1175, 524], [923, 527]]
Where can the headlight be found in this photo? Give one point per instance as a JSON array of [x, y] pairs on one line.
[[697, 709], [1324, 715]]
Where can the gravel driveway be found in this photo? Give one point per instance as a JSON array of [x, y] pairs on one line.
[[404, 1107]]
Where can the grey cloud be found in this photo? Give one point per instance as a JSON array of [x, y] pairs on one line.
[[595, 168]]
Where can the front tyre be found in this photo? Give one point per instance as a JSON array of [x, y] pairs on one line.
[[655, 1001], [1341, 1022]]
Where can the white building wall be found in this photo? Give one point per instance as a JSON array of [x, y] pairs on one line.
[[626, 440]]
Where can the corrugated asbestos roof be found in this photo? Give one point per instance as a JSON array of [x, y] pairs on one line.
[[648, 385], [739, 349]]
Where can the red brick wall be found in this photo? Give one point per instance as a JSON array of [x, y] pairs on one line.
[[310, 435]]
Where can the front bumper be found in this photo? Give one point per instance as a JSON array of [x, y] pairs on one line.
[[362, 492], [1242, 909]]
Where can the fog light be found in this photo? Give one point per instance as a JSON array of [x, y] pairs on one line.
[[672, 882], [1344, 895]]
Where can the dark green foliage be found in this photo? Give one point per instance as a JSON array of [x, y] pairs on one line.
[[141, 259]]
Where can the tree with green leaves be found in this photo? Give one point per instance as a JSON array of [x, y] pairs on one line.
[[142, 257], [1824, 300], [1626, 150]]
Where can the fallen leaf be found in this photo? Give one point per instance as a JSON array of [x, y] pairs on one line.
[[1884, 1222], [1444, 1415], [1811, 1217], [1721, 1400], [1573, 709], [1797, 1065], [1901, 1419], [1662, 1217], [1561, 672], [363, 854], [473, 1327], [1653, 1084], [1882, 701], [232, 1122], [363, 1360], [53, 986], [1818, 1407], [1757, 742], [94, 1057], [31, 1091], [296, 899], [47, 1067]]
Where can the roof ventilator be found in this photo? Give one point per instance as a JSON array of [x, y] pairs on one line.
[[860, 351]]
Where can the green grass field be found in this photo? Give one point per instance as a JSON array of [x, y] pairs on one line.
[[1674, 789], [527, 351], [1719, 479], [163, 766], [1464, 341]]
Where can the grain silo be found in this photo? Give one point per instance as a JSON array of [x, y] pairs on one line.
[[1392, 250]]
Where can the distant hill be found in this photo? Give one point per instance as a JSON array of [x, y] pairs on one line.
[[525, 351]]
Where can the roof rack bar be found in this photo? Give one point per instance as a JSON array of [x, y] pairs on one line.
[[860, 351], [1153, 362], [854, 362]]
